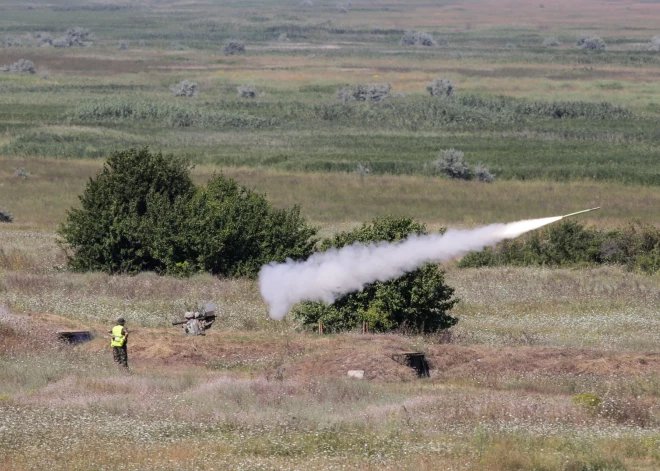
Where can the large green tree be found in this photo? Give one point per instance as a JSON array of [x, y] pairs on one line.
[[418, 300], [142, 212]]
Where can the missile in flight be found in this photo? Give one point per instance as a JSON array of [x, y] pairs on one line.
[[580, 212]]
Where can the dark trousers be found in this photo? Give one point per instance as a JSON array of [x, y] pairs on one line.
[[120, 355]]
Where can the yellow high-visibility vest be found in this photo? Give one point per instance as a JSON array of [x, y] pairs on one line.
[[118, 338]]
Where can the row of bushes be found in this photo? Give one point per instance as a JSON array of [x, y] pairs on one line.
[[170, 114], [569, 243]]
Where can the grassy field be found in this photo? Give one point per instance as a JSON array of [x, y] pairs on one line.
[[547, 369]]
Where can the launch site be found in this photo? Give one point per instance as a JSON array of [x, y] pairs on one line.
[[329, 235]]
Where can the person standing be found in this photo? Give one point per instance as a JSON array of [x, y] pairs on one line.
[[119, 335]]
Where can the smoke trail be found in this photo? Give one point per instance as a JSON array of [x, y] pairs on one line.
[[326, 276]]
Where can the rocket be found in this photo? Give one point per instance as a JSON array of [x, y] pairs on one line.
[[580, 212]]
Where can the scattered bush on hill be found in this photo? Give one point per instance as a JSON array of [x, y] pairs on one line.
[[370, 92], [551, 42], [654, 45], [21, 66], [233, 47], [5, 216], [442, 88], [593, 43], [184, 88], [74, 37], [142, 212], [247, 91], [418, 301], [451, 162], [11, 41], [417, 38]]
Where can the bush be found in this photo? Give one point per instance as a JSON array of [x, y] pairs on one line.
[[142, 212], [233, 47], [112, 231], [247, 91], [371, 92], [417, 301], [551, 42], [441, 88], [44, 39], [307, 4], [593, 43], [229, 230], [482, 174], [5, 216], [10, 41], [21, 66], [654, 45], [74, 36], [184, 88], [451, 162], [418, 38], [123, 46]]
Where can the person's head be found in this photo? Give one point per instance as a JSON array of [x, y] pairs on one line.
[[121, 321]]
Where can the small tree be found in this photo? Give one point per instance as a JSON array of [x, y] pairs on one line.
[[451, 162], [184, 88], [233, 47], [593, 43], [417, 38], [442, 88], [418, 300]]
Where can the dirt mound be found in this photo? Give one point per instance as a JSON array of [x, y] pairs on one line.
[[310, 356], [457, 361]]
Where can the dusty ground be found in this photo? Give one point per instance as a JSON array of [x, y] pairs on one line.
[[303, 355]]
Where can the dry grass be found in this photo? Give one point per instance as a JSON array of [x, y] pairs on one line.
[[333, 199]]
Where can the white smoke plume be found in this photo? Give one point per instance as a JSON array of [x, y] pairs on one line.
[[326, 276]]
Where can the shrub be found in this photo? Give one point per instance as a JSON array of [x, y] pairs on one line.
[[10, 41], [417, 38], [74, 36], [21, 66], [282, 37], [482, 174], [342, 9], [20, 172], [588, 401], [123, 46], [307, 4], [177, 47], [441, 88], [113, 231], [551, 42], [184, 88], [5, 216], [654, 45], [247, 91], [419, 300], [233, 47], [451, 162], [370, 92], [229, 230], [593, 43], [44, 39], [142, 212]]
